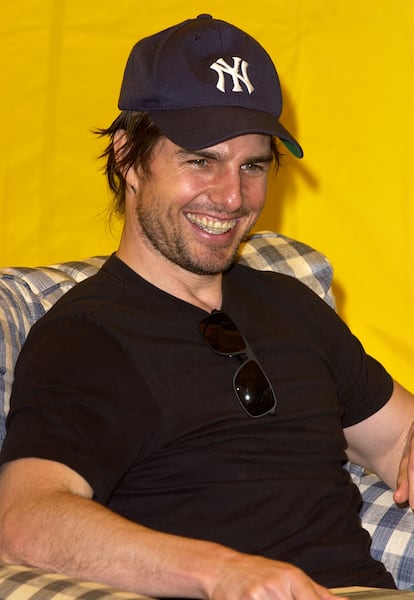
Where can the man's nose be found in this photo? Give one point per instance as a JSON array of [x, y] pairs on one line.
[[228, 190]]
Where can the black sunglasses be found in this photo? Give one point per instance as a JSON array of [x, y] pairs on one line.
[[250, 382]]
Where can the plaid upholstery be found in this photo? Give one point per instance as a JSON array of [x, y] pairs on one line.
[[391, 527], [27, 583], [27, 293], [267, 251]]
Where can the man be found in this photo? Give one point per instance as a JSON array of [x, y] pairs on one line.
[[178, 425]]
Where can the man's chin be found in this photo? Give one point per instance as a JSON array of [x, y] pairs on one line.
[[211, 265]]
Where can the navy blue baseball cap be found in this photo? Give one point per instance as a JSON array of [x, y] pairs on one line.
[[205, 81]]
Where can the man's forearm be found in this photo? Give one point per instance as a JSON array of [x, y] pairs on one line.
[[78, 537], [48, 520]]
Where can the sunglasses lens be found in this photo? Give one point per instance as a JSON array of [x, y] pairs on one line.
[[221, 334], [254, 390], [251, 385]]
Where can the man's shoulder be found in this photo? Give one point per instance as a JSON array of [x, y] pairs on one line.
[[98, 292], [275, 293]]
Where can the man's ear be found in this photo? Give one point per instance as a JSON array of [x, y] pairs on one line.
[[129, 173]]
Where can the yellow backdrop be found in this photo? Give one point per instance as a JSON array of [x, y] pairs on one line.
[[347, 73]]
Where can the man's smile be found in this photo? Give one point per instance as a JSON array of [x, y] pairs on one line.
[[211, 225]]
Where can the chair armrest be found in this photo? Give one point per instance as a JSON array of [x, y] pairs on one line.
[[391, 527], [17, 582]]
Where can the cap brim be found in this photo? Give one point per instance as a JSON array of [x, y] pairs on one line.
[[205, 126]]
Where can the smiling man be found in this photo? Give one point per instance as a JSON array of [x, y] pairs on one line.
[[179, 423], [192, 213]]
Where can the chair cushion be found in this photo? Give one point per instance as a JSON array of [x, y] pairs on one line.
[[27, 293], [267, 251], [27, 583]]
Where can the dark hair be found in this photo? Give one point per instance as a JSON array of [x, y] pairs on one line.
[[141, 136]]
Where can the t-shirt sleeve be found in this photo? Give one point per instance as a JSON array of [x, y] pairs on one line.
[[77, 400], [364, 385]]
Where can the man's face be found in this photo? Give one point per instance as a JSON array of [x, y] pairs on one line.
[[196, 206]]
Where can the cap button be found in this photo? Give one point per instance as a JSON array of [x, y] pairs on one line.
[[204, 16]]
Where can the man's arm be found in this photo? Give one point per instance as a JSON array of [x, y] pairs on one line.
[[384, 443], [49, 520]]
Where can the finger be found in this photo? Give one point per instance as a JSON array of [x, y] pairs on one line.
[[401, 494], [307, 589], [402, 490], [326, 594], [405, 481], [410, 470]]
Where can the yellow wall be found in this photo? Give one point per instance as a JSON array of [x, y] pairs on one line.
[[347, 74]]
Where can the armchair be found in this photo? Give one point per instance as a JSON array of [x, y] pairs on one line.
[[27, 293]]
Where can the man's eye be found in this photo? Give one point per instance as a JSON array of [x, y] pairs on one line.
[[198, 162], [253, 168]]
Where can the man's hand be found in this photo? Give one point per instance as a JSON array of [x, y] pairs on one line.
[[246, 577], [405, 481]]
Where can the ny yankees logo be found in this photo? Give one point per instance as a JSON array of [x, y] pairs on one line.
[[238, 74]]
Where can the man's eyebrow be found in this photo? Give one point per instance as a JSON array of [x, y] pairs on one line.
[[264, 158], [201, 153], [205, 153]]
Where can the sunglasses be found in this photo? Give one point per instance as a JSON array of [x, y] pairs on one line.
[[252, 387]]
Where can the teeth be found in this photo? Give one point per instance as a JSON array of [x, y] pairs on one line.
[[212, 225]]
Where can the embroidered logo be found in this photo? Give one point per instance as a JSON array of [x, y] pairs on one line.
[[238, 73]]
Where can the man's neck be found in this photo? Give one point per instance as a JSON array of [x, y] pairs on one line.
[[203, 291]]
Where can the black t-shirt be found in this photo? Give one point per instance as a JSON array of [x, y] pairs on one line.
[[117, 383]]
